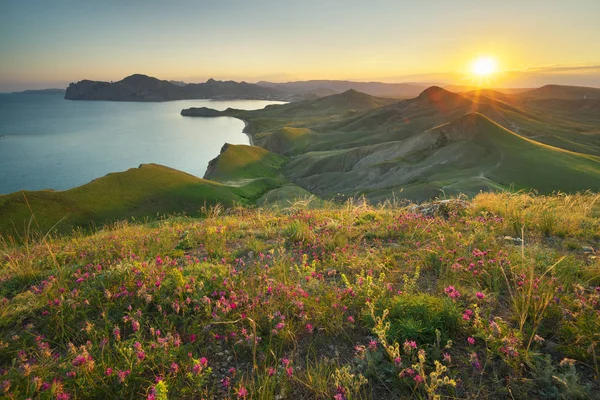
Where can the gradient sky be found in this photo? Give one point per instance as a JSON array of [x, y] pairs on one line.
[[51, 43]]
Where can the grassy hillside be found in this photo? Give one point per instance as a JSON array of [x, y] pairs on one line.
[[353, 144], [469, 154], [497, 298], [147, 191], [238, 162]]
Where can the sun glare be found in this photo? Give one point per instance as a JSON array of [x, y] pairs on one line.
[[484, 66]]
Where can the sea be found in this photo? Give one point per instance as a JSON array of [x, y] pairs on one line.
[[47, 142]]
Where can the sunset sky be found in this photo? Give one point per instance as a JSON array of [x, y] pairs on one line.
[[51, 43]]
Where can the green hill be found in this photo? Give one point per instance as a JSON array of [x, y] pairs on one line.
[[147, 191], [469, 154], [238, 162]]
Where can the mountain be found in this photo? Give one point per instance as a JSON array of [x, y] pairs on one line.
[[145, 88], [394, 90], [469, 88], [562, 92]]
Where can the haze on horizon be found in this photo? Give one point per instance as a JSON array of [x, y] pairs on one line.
[[535, 42]]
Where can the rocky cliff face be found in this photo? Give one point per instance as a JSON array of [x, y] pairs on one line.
[[212, 164]]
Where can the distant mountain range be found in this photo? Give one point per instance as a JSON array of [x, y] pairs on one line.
[[145, 88], [329, 87], [140, 87]]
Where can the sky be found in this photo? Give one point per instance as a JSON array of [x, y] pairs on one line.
[[51, 43]]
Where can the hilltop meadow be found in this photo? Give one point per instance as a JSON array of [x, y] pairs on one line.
[[494, 298]]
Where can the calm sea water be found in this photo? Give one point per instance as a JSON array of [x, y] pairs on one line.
[[47, 142]]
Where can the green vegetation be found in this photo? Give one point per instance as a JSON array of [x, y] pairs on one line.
[[143, 192], [237, 162], [496, 298], [439, 143]]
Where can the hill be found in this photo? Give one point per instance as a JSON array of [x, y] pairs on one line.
[[466, 155], [312, 302], [352, 143], [140, 87], [328, 87], [143, 192], [240, 162], [562, 92]]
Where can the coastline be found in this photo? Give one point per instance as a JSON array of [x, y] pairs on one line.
[[246, 124]]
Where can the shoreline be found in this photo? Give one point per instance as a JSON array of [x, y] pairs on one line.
[[246, 125]]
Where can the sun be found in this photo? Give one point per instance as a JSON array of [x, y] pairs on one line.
[[484, 66]]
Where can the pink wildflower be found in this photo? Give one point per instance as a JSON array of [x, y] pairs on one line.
[[242, 392]]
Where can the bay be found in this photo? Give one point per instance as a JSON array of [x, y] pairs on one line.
[[47, 142]]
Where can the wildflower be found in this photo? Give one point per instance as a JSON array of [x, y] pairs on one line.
[[174, 368], [418, 378], [271, 371], [123, 375], [108, 371], [289, 371], [359, 351], [351, 319], [409, 345], [242, 392], [79, 360], [452, 292], [309, 328], [471, 340], [398, 361], [475, 361], [135, 325], [467, 315], [480, 295], [372, 345], [117, 333], [447, 358], [199, 365]]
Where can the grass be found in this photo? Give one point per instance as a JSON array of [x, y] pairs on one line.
[[347, 301], [238, 162], [138, 193]]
